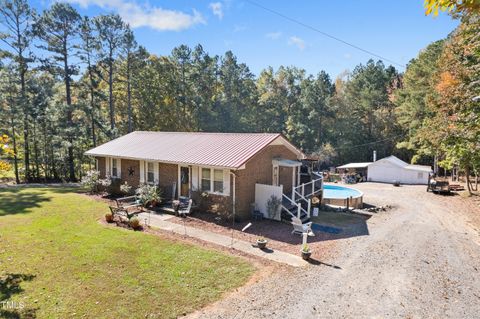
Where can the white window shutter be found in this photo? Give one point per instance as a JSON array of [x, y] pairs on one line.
[[142, 171], [119, 167], [108, 172], [155, 172], [226, 182], [195, 182]]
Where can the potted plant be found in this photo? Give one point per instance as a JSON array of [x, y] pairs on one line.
[[109, 217], [262, 243], [149, 195], [306, 252], [134, 223]]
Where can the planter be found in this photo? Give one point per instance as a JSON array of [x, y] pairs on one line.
[[261, 243], [306, 254], [109, 218]]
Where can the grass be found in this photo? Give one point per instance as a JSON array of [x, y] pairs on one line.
[[58, 261]]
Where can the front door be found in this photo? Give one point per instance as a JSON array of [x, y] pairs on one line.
[[275, 175], [185, 181]]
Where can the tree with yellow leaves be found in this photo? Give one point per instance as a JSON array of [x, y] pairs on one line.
[[452, 6], [5, 151]]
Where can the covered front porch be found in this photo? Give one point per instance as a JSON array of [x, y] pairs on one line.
[[286, 183]]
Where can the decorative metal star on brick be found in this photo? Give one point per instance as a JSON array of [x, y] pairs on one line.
[[131, 171]]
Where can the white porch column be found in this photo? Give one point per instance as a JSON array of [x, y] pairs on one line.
[[293, 183], [298, 175]]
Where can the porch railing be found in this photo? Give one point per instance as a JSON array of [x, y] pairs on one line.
[[304, 192], [300, 209]]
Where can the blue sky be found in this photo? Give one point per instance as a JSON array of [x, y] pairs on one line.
[[396, 30]]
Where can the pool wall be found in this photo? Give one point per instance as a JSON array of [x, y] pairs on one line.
[[350, 202], [353, 202]]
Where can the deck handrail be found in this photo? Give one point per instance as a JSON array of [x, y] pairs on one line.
[[302, 196], [299, 207]]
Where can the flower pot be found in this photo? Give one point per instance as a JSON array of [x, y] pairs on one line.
[[109, 218], [306, 254], [261, 243]]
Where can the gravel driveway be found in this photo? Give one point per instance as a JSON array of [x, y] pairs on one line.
[[420, 260]]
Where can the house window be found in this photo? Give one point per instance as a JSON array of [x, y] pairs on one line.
[[150, 173], [206, 180], [114, 167], [218, 181], [420, 175], [212, 180]]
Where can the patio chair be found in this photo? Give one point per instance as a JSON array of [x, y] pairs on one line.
[[256, 214], [299, 228], [183, 212]]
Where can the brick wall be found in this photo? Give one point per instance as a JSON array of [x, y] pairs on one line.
[[101, 166], [167, 175], [259, 170], [133, 166]]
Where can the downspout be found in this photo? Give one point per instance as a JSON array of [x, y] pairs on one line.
[[233, 194], [233, 203]]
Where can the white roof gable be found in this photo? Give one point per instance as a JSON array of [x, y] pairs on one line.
[[395, 160]]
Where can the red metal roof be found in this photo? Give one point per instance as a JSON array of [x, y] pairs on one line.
[[227, 150]]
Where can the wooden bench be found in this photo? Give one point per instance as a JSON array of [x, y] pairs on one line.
[[126, 203]]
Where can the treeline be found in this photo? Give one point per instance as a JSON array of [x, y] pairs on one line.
[[69, 83], [438, 106]]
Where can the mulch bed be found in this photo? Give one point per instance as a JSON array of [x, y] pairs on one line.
[[278, 234]]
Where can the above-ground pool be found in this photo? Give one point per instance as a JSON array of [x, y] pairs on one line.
[[341, 196]]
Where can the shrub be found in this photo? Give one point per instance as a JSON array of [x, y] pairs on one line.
[[135, 223], [273, 207], [125, 188], [109, 217], [114, 187], [91, 181], [148, 194]]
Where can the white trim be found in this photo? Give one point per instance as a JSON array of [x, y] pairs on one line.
[[119, 168], [155, 172], [225, 181], [107, 166], [179, 179], [142, 172], [195, 180]]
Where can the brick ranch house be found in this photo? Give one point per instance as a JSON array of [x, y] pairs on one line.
[[226, 166]]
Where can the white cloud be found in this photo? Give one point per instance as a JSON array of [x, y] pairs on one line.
[[274, 35], [217, 9], [146, 15], [298, 42]]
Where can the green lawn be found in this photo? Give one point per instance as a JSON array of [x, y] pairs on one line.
[[60, 262]]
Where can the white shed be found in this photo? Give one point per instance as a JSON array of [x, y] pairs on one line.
[[390, 169]]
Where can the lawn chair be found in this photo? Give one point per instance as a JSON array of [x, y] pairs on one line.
[[183, 212], [299, 228]]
